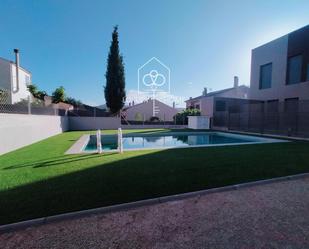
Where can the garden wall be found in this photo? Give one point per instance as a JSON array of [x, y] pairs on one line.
[[93, 123], [18, 130]]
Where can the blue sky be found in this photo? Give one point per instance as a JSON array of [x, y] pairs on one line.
[[205, 43]]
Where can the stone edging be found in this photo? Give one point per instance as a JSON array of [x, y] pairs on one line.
[[132, 205]]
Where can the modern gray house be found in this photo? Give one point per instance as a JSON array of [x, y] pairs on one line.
[[280, 68], [279, 90]]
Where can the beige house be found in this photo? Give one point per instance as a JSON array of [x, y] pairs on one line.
[[205, 102], [144, 111]]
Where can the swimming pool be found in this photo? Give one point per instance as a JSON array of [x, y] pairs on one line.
[[173, 140]]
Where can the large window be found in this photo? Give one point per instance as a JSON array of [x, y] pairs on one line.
[[27, 80], [265, 76], [294, 69]]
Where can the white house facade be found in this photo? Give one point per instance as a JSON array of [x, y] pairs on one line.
[[14, 79]]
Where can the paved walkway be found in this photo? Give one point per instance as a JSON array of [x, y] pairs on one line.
[[268, 216]]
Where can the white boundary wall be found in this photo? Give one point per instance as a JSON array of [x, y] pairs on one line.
[[93, 123], [199, 122], [18, 130]]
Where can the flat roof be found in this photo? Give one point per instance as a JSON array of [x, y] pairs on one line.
[[280, 37]]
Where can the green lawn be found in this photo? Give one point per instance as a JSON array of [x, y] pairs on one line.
[[39, 180]]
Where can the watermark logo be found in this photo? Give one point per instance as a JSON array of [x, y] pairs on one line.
[[153, 76]]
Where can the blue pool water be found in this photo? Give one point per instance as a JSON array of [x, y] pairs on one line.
[[144, 141]]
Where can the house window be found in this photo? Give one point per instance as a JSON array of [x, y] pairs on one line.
[[294, 69], [220, 106], [27, 80], [197, 107], [265, 76]]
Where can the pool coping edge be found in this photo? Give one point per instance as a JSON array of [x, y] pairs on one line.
[[81, 143]]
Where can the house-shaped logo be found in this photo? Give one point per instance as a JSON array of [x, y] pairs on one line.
[[153, 76]]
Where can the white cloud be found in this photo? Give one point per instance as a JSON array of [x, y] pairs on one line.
[[134, 95]]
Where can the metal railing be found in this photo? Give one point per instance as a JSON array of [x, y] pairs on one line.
[[281, 120], [27, 105]]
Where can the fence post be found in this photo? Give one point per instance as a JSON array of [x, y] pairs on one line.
[[164, 119], [296, 122], [228, 120], [94, 115], [29, 104], [262, 122], [239, 126]]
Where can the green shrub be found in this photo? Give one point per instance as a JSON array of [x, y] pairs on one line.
[[182, 117], [154, 119]]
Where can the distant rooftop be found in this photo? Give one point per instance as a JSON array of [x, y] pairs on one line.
[[214, 93]]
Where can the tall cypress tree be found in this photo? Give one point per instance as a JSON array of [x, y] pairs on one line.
[[114, 90]]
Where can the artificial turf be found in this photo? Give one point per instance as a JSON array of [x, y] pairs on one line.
[[39, 180]]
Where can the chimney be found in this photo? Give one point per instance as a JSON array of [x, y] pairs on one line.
[[205, 91], [16, 51], [236, 81], [174, 104]]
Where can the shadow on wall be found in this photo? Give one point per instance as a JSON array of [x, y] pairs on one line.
[[64, 123], [129, 178]]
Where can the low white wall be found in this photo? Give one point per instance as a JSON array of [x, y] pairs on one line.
[[93, 123], [199, 122], [18, 130]]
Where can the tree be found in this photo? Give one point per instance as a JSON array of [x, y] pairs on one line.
[[73, 101], [59, 95], [4, 96], [114, 90], [33, 89]]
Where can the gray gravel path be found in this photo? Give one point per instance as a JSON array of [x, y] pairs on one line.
[[267, 216]]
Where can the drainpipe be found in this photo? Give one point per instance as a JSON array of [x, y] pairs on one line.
[[16, 51]]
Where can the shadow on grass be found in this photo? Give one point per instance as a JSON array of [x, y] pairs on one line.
[[53, 161], [150, 175]]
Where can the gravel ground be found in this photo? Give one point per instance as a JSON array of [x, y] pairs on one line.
[[267, 216]]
